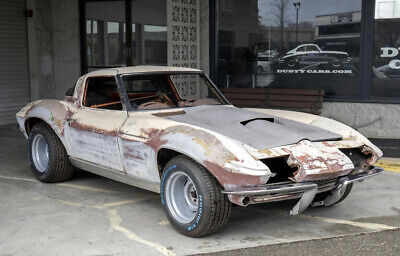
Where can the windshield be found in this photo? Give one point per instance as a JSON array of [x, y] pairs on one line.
[[164, 91]]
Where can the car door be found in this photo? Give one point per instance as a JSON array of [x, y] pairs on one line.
[[138, 155], [93, 128]]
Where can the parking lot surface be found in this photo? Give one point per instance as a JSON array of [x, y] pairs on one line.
[[91, 215]]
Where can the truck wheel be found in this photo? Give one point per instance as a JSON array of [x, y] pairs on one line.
[[324, 195], [47, 156], [192, 198]]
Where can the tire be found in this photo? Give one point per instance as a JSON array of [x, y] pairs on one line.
[[291, 63], [47, 156], [204, 210], [324, 195]]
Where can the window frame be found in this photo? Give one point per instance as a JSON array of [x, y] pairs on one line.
[[131, 107], [86, 85]]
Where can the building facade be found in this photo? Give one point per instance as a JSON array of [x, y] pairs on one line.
[[348, 48]]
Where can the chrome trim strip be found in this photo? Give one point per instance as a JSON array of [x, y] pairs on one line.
[[361, 176], [272, 189], [115, 175], [338, 192]]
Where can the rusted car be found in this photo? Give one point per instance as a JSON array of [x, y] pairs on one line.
[[171, 131]]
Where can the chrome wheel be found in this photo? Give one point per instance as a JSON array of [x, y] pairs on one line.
[[181, 197], [40, 152]]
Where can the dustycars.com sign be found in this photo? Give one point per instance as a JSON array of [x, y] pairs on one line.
[[314, 71], [391, 52]]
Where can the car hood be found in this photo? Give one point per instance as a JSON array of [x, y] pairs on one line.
[[257, 130]]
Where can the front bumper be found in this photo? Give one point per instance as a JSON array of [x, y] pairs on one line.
[[306, 191]]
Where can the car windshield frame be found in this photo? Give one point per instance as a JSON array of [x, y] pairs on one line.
[[131, 106]]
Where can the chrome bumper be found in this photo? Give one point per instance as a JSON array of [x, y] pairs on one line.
[[306, 191]]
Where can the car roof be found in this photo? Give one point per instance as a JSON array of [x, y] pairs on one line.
[[144, 69], [306, 45]]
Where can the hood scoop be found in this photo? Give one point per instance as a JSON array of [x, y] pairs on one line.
[[267, 119]]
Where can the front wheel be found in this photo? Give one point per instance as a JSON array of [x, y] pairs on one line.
[[192, 198], [47, 156]]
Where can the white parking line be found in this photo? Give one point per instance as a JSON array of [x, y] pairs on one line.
[[359, 224], [366, 225], [86, 188], [63, 185], [115, 221], [136, 200]]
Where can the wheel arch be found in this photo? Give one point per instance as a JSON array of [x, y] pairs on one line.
[[165, 154], [31, 121]]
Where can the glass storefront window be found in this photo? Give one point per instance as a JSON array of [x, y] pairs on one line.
[[386, 63], [109, 45], [155, 45], [105, 34], [269, 47], [115, 38]]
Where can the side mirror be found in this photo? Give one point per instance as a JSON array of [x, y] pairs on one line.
[[70, 91]]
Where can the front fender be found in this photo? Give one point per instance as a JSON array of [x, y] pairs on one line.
[[226, 159], [52, 112]]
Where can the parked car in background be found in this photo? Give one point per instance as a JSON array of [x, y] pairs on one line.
[[171, 131], [306, 55]]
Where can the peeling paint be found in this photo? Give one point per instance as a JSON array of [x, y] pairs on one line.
[[128, 142]]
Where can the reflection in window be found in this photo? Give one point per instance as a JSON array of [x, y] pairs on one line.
[[92, 42], [155, 44], [105, 34], [386, 63], [115, 41], [272, 49]]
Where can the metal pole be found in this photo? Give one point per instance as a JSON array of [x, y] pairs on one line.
[[297, 7]]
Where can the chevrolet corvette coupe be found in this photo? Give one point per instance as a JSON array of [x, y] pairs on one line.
[[171, 131]]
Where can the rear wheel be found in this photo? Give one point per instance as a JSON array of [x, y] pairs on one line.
[[192, 198], [47, 156]]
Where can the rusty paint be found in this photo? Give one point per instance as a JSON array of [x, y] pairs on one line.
[[172, 113], [154, 138], [229, 180], [82, 127], [140, 135]]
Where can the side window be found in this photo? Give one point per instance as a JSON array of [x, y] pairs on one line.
[[301, 49], [312, 48], [102, 92]]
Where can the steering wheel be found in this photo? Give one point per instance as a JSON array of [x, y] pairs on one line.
[[166, 99], [188, 102], [155, 104]]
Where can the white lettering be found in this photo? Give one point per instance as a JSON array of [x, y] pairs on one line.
[[395, 64], [389, 52]]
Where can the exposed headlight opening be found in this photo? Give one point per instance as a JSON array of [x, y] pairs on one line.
[[279, 167], [357, 156]]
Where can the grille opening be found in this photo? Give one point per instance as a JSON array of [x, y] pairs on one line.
[[356, 156], [279, 166]]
